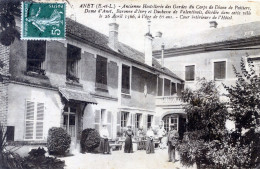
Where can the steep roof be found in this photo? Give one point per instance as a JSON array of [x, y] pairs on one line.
[[234, 32], [100, 40]]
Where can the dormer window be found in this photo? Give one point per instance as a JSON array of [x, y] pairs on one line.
[[36, 51], [73, 57]]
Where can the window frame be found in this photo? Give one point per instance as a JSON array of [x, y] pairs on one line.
[[130, 79], [194, 72], [42, 63], [213, 68], [35, 120], [172, 94], [101, 85], [151, 123], [74, 78], [124, 122]]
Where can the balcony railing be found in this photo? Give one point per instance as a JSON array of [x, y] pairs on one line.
[[168, 100]]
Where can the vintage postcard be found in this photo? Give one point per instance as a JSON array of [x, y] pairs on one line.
[[129, 84]]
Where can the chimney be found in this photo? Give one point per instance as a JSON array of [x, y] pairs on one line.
[[162, 59], [113, 35], [148, 39], [213, 24]]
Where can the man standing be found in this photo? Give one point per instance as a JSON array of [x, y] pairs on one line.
[[172, 140]]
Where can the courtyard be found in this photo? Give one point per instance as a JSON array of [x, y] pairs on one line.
[[121, 160]]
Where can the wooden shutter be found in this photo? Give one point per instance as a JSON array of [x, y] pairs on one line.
[[39, 121], [97, 119], [109, 123], [133, 121], [34, 117], [189, 72], [145, 122], [219, 70], [118, 123], [29, 120]]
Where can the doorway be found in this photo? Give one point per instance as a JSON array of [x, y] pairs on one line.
[[70, 124]]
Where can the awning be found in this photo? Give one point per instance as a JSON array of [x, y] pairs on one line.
[[76, 95]]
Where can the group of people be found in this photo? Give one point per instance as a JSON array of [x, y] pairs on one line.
[[171, 140]]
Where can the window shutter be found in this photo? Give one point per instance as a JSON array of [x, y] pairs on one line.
[[133, 121], [220, 70], [97, 119], [39, 121], [29, 120], [189, 72], [109, 122], [118, 126], [145, 122]]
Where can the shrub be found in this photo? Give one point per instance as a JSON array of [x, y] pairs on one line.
[[90, 140], [37, 159], [58, 141]]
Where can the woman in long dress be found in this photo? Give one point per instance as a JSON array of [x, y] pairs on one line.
[[150, 143], [104, 144], [128, 141]]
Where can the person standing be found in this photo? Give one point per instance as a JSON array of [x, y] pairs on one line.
[[150, 143], [128, 140], [172, 140], [104, 144], [161, 134]]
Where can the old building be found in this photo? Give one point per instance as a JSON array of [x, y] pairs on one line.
[[210, 54], [81, 82]]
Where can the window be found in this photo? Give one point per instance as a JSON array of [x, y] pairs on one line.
[[180, 88], [34, 120], [125, 79], [220, 70], [69, 120], [173, 88], [124, 118], [138, 120], [189, 73], [36, 51], [149, 120], [167, 85], [73, 56], [160, 86], [101, 73], [169, 120]]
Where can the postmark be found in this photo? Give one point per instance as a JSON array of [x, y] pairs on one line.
[[43, 21]]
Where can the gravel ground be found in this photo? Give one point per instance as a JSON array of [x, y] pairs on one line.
[[121, 160]]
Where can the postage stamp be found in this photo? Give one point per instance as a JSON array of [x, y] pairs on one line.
[[43, 21]]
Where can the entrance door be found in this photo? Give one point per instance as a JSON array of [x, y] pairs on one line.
[[70, 124], [169, 120]]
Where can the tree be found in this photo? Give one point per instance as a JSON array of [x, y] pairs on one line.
[[206, 116], [205, 111], [8, 11], [245, 112]]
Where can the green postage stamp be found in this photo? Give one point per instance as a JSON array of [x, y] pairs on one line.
[[43, 21]]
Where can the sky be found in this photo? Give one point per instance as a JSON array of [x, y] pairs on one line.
[[131, 31]]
